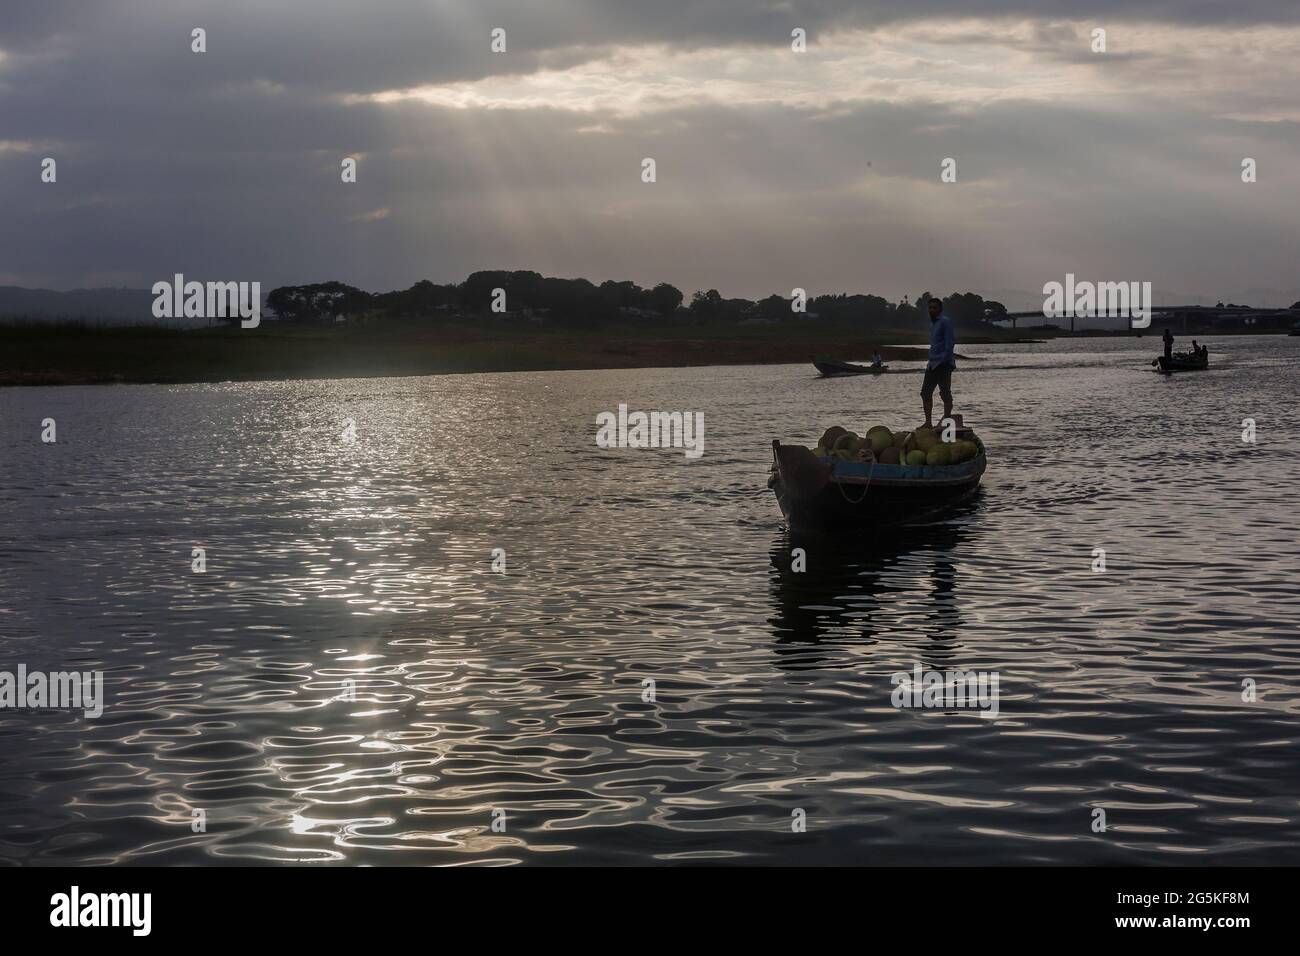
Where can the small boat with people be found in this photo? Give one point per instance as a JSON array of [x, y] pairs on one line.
[[1196, 361], [885, 479], [832, 367]]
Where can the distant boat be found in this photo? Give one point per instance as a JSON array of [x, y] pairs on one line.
[[1182, 362], [821, 494], [831, 367]]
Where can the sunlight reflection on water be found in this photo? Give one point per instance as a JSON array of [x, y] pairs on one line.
[[350, 681]]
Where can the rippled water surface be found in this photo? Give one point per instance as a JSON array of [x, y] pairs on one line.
[[518, 696]]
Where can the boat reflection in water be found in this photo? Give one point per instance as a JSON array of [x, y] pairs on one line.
[[853, 593]]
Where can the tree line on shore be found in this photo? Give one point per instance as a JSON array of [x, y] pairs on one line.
[[581, 303]]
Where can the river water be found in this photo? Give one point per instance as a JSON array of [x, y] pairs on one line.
[[648, 680]]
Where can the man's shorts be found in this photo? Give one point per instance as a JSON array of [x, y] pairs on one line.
[[941, 376]]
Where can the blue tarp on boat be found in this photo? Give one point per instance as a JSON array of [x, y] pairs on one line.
[[863, 469]]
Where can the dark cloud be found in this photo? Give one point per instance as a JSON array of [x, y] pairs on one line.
[[226, 165], [351, 46]]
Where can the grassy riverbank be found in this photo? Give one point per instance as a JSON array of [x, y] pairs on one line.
[[53, 355]]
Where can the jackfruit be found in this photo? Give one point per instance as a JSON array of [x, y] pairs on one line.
[[939, 455], [829, 436]]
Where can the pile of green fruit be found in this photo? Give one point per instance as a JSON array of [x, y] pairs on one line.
[[921, 446]]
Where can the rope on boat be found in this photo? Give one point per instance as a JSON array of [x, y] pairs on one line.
[[865, 488]]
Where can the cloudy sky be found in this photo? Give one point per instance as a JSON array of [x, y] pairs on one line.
[[775, 169]]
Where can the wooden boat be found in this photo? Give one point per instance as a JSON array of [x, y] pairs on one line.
[[1182, 362], [827, 494], [830, 367]]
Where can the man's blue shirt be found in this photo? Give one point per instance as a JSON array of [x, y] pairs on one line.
[[943, 342]]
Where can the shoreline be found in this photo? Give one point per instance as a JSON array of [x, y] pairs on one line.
[[48, 356], [33, 356]]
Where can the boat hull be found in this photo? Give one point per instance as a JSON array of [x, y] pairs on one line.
[[855, 496], [831, 368], [1179, 364]]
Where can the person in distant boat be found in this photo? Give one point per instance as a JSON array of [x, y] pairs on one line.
[[1169, 343], [877, 360], [942, 362], [1196, 349]]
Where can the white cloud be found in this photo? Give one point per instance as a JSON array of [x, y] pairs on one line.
[[1248, 73]]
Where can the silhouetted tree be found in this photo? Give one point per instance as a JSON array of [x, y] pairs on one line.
[[965, 308], [664, 299], [319, 302], [707, 305], [579, 302], [776, 306]]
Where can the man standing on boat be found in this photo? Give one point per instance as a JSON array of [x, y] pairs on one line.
[[1169, 343], [943, 359]]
